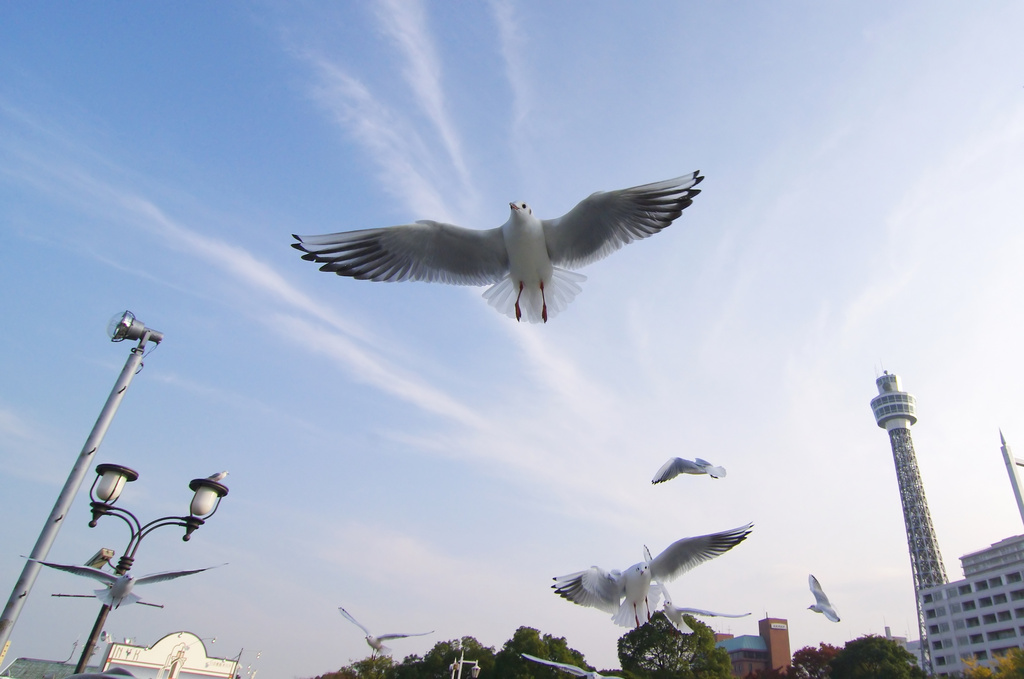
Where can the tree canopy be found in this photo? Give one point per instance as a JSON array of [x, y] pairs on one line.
[[657, 650], [1009, 666], [813, 663], [874, 657]]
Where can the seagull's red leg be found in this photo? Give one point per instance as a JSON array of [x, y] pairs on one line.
[[519, 314], [636, 616], [648, 605], [544, 303]]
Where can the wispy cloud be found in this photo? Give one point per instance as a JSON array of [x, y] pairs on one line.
[[281, 306], [372, 370], [11, 425], [511, 40], [423, 166], [405, 23], [398, 151]]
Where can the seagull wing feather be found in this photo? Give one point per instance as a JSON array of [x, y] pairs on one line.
[[605, 221], [169, 575], [348, 616], [817, 591], [682, 555], [385, 637], [592, 587], [85, 571], [710, 614], [673, 468], [572, 669], [423, 251]]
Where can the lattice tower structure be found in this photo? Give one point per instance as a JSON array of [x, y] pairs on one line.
[[895, 411]]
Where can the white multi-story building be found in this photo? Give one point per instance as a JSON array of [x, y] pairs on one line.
[[982, 616]]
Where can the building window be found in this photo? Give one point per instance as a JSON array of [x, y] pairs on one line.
[[969, 606], [954, 608], [1002, 634], [1019, 612], [985, 601], [958, 624], [995, 582], [941, 660], [937, 645], [934, 629], [927, 598], [980, 655], [977, 639], [1017, 594], [988, 618], [1003, 615], [999, 598], [961, 641], [930, 613], [943, 627], [965, 589], [980, 585], [951, 593], [972, 622], [1013, 577]]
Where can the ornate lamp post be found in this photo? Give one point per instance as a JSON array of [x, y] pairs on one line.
[[106, 488], [123, 327], [457, 665]]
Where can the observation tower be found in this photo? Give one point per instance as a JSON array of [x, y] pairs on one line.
[[895, 410]]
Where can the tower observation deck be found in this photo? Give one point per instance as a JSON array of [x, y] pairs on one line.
[[895, 411]]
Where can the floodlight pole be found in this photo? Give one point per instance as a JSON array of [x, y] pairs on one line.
[[71, 486]]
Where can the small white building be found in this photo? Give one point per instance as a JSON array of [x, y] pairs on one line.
[[982, 616], [179, 655]]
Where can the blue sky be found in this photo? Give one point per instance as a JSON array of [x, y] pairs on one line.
[[404, 451]]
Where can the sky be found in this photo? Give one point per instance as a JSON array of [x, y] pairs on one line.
[[402, 450]]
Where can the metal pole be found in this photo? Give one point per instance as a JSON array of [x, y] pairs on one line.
[[101, 620], [123, 566], [67, 494], [1011, 469]]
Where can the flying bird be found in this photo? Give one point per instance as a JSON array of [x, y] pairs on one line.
[[118, 588], [625, 594], [526, 260], [675, 613], [677, 465], [571, 669], [821, 603], [377, 642]]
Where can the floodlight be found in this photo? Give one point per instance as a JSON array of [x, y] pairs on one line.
[[126, 326]]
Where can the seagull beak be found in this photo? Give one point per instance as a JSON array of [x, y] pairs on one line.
[[513, 206]]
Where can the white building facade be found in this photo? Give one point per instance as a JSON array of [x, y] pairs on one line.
[[181, 655], [982, 616]]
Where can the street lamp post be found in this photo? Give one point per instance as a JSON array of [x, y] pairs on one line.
[[125, 327], [106, 488], [457, 665]]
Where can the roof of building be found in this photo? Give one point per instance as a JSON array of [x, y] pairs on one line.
[[746, 642], [31, 668]]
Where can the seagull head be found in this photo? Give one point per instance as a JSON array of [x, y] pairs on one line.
[[521, 208]]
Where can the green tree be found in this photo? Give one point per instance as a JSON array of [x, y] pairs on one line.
[[437, 663], [874, 657], [370, 667], [657, 650], [813, 663], [510, 664]]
